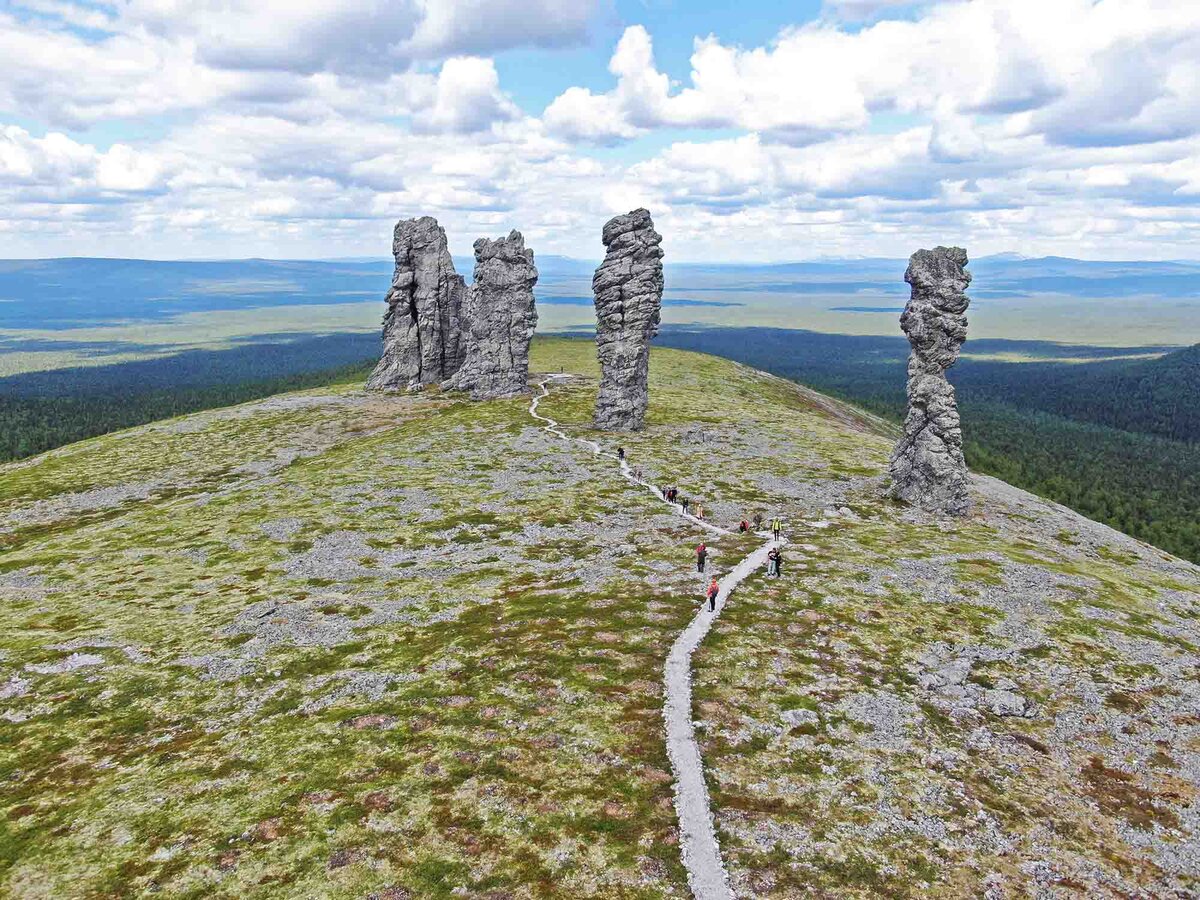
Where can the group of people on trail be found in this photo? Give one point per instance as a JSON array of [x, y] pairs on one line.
[[672, 495], [713, 591]]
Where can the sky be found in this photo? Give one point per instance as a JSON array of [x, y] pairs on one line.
[[755, 131]]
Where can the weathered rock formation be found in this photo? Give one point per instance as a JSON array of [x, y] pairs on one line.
[[422, 341], [927, 466], [498, 320], [628, 288]]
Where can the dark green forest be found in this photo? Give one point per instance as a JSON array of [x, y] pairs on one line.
[[43, 410], [1118, 441]]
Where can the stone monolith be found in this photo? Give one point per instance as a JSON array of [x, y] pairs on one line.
[[499, 318], [927, 466], [422, 341], [628, 290]]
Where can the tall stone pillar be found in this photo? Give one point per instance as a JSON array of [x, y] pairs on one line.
[[927, 466], [628, 290], [422, 340]]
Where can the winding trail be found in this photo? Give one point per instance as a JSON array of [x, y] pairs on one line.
[[698, 837]]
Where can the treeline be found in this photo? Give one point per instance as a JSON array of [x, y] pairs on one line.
[[43, 410], [1158, 396], [1141, 484]]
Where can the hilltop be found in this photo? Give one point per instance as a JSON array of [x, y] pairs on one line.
[[334, 644]]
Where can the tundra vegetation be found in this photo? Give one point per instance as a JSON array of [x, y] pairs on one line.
[[342, 644]]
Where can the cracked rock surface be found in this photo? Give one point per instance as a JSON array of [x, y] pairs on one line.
[[628, 290], [422, 330], [927, 466], [498, 320]]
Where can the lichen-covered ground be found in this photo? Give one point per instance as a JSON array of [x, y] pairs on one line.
[[339, 645]]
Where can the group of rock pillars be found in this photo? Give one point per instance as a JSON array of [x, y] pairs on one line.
[[439, 330]]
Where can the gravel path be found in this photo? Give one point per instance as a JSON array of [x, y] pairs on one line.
[[698, 838], [701, 854]]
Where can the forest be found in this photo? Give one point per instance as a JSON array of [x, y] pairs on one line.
[[43, 410]]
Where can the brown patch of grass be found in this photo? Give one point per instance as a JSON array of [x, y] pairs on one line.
[[1118, 794]]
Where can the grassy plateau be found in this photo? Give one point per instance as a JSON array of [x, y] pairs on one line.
[[344, 645]]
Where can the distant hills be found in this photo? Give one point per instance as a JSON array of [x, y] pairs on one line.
[[80, 291]]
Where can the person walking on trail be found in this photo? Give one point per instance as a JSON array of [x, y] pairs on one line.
[[684, 501], [621, 454], [773, 563], [743, 526], [699, 510], [701, 556], [714, 589], [776, 527]]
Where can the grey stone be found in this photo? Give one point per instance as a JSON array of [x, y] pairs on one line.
[[70, 664], [1005, 703], [422, 330], [499, 318], [927, 467], [628, 290], [16, 686], [796, 717]]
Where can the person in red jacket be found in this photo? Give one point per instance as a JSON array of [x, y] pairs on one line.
[[701, 556], [713, 590]]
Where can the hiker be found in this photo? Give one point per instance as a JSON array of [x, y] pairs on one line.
[[713, 590], [684, 501], [672, 494], [776, 527], [744, 526], [666, 492], [701, 556], [773, 562], [699, 510], [621, 454]]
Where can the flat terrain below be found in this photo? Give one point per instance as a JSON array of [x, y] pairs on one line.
[[332, 644]]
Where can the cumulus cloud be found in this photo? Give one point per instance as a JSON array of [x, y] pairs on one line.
[[358, 37], [467, 99], [1065, 126], [478, 27], [1094, 71], [58, 169]]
